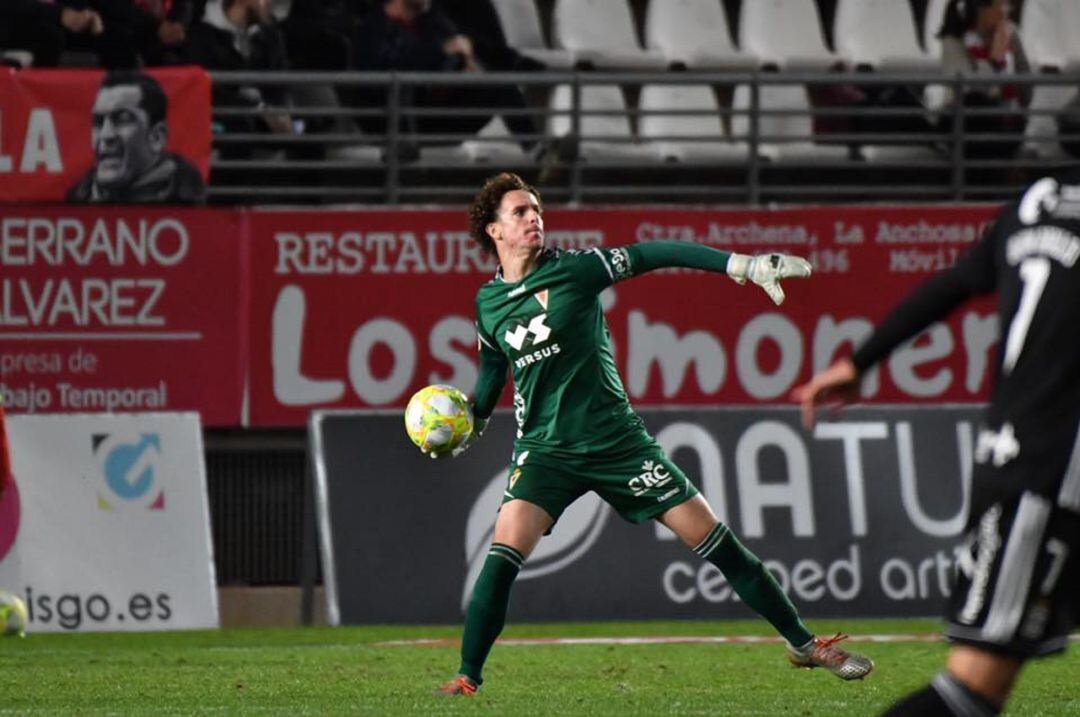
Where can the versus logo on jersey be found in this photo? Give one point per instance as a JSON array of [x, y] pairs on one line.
[[534, 333], [537, 329]]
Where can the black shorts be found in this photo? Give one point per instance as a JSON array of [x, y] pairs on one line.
[[1018, 577]]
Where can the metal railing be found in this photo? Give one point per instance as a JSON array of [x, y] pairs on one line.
[[334, 161]]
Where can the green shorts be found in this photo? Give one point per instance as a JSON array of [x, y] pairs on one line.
[[639, 484]]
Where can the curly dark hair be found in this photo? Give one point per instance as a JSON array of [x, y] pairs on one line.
[[486, 204]]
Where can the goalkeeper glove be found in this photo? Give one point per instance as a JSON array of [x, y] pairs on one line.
[[766, 270], [479, 424]]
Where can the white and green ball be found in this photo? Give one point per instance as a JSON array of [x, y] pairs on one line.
[[12, 614], [438, 418]]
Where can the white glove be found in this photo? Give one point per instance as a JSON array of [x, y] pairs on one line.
[[766, 270], [478, 429]]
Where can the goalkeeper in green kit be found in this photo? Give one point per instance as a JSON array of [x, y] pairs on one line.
[[540, 317]]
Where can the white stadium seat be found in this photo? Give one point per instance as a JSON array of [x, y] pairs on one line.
[[1040, 134], [787, 136], [601, 33], [494, 144], [1050, 29], [694, 33], [603, 136], [688, 138], [785, 33], [935, 15], [520, 22], [879, 34]]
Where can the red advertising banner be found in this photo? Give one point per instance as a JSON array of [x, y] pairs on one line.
[[123, 310], [89, 137], [359, 309]]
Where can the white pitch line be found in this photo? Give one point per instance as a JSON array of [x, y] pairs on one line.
[[662, 640]]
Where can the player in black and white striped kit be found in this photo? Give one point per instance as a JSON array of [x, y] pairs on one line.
[[1016, 592]]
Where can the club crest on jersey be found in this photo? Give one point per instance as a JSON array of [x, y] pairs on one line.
[[542, 298]]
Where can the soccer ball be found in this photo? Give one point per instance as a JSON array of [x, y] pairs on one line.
[[438, 418], [12, 615]]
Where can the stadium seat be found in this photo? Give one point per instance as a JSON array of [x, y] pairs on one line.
[[785, 33], [520, 22], [689, 138], [1041, 132], [601, 34], [934, 96], [879, 34], [605, 132], [899, 154], [693, 34], [1049, 29], [935, 15], [280, 9], [785, 137], [16, 58], [494, 143]]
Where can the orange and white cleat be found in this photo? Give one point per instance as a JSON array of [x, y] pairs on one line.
[[460, 685], [823, 652]]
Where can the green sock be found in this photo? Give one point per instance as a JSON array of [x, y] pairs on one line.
[[754, 583], [487, 607]]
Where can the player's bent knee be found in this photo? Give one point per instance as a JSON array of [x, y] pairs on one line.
[[985, 673], [520, 525]]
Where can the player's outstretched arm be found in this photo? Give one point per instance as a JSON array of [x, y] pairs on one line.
[[835, 386], [766, 270]]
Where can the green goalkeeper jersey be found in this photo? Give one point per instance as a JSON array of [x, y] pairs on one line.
[[549, 330]]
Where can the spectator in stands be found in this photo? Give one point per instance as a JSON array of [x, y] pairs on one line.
[[411, 35], [977, 37], [46, 29], [317, 35], [242, 35], [161, 28], [129, 137], [479, 20]]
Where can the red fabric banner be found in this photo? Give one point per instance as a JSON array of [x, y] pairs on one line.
[[360, 309], [123, 310], [71, 134], [5, 455]]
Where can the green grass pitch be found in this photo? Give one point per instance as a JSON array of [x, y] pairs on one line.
[[347, 671]]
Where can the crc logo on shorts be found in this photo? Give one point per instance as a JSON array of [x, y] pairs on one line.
[[130, 469], [653, 475]]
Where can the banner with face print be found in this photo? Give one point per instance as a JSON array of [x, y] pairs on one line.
[[87, 136], [860, 517]]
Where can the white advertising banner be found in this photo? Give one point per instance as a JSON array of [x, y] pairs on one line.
[[107, 525]]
